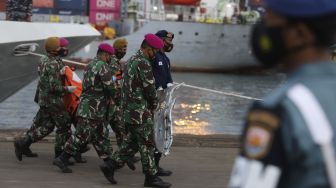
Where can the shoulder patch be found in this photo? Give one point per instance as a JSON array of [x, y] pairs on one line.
[[259, 133], [257, 142]]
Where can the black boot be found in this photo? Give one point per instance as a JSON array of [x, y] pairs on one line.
[[155, 181], [22, 146], [58, 153], [161, 171], [62, 162], [108, 169], [84, 149], [28, 153], [130, 164]]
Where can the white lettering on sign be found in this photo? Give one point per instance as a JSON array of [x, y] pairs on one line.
[[105, 3], [104, 16]]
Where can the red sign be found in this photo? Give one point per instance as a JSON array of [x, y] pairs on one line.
[[107, 5], [182, 2], [43, 3], [103, 16], [2, 5]]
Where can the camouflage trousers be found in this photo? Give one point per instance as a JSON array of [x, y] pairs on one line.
[[139, 138], [117, 125], [45, 122], [90, 131]]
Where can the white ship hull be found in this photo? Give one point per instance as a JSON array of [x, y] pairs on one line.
[[197, 46], [15, 72]]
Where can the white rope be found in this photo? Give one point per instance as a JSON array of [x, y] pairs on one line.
[[221, 92], [64, 60]]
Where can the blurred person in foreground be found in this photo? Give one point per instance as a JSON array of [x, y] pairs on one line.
[[289, 138]]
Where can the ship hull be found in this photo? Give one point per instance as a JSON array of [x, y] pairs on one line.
[[17, 71], [197, 46]]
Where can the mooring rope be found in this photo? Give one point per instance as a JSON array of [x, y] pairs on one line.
[[221, 92]]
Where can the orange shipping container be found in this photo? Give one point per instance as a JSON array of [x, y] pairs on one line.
[[43, 3]]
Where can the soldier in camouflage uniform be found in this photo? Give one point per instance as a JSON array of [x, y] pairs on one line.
[[116, 67], [139, 100], [19, 10], [52, 112], [92, 113], [116, 119]]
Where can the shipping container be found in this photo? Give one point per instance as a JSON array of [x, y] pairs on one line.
[[70, 12], [2, 5], [256, 3], [103, 16], [71, 4], [43, 11], [43, 3], [107, 5]]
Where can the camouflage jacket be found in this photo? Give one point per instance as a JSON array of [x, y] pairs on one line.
[[98, 91], [19, 8], [50, 85], [138, 92], [116, 69], [117, 97]]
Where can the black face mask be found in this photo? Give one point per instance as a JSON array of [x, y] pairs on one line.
[[168, 47], [120, 55], [63, 52], [268, 44]]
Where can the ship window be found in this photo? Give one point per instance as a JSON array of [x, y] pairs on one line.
[[244, 36], [196, 33], [180, 32]]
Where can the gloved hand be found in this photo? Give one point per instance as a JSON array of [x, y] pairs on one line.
[[71, 89], [170, 84], [62, 71]]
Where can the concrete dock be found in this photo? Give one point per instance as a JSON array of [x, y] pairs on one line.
[[196, 161]]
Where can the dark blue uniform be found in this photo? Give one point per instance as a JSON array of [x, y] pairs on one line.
[[161, 70]]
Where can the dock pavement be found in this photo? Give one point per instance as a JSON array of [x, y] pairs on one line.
[[196, 162]]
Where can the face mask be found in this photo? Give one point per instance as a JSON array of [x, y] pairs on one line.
[[267, 44], [63, 52], [120, 55], [168, 47]]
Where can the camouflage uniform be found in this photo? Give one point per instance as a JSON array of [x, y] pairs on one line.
[[92, 112], [52, 112], [115, 112], [139, 99], [19, 10]]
